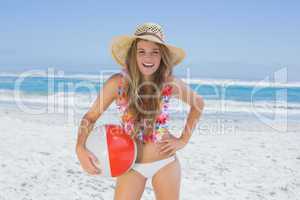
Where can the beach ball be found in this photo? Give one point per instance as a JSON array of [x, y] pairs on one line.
[[114, 149]]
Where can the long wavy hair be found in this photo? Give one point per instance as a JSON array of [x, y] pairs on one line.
[[145, 96]]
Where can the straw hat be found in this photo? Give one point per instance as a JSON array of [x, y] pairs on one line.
[[147, 31]]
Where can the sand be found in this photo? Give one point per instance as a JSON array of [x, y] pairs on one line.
[[244, 160]]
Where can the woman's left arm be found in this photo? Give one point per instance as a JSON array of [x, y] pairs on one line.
[[183, 92]]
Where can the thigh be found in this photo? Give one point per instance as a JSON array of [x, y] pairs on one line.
[[166, 182], [130, 185]]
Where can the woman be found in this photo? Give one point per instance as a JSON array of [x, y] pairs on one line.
[[142, 92]]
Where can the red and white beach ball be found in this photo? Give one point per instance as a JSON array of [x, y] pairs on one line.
[[115, 150]]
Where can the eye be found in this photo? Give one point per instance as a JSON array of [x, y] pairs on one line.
[[156, 53], [141, 52]]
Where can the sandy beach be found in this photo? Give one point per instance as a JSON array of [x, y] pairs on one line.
[[243, 160]]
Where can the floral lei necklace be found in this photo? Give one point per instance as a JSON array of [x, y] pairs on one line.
[[161, 125]]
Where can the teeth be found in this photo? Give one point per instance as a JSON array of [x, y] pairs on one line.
[[148, 64]]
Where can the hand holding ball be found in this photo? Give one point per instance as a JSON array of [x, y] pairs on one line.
[[114, 149]]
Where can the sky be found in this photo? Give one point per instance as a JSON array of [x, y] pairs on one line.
[[246, 40]]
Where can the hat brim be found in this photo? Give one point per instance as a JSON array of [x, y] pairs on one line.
[[120, 45]]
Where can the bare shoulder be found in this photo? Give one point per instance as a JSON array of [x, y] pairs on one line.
[[184, 92], [114, 78], [111, 84], [105, 97], [177, 84]]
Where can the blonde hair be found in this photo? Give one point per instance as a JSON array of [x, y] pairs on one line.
[[141, 108]]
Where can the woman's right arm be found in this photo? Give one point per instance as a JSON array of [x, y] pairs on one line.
[[106, 96]]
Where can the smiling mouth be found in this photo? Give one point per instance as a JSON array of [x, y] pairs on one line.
[[148, 65]]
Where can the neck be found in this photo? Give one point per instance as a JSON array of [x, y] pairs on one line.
[[148, 78]]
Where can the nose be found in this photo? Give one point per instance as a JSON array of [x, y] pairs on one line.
[[148, 56], [148, 59]]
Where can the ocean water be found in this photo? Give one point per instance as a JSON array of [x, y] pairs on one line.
[[219, 95]]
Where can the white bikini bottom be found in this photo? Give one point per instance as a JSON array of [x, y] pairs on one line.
[[149, 169]]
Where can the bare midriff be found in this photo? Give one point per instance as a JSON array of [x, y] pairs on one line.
[[149, 152]]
